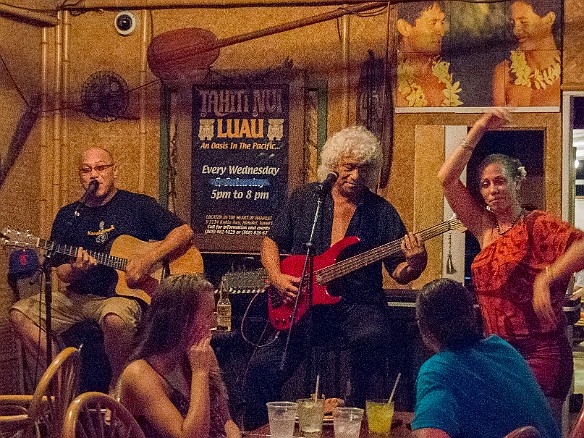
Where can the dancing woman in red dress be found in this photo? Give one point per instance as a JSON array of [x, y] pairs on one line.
[[516, 246]]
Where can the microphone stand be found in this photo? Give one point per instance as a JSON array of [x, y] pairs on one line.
[[45, 273], [46, 277], [307, 274]]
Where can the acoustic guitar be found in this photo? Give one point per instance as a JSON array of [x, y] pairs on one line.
[[123, 248], [331, 266]]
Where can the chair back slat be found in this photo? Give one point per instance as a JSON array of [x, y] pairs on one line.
[[97, 415], [56, 390], [43, 411], [524, 432]]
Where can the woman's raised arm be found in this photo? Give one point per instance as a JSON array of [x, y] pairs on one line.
[[469, 211]]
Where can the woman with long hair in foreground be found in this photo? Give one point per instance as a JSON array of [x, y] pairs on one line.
[[173, 385]]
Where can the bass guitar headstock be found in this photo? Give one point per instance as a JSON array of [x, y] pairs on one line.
[[18, 239], [454, 224]]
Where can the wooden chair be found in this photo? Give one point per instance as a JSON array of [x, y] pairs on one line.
[[97, 415], [45, 409], [524, 432], [578, 430]]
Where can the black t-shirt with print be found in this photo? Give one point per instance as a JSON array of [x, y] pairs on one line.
[[96, 228]]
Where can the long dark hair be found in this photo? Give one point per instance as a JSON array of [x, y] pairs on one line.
[[171, 314], [445, 310]]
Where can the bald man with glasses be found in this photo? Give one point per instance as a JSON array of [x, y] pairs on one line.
[[92, 223]]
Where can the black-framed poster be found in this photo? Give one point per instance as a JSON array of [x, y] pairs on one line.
[[242, 165]]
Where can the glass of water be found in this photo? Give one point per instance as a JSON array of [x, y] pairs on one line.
[[282, 416], [347, 422]]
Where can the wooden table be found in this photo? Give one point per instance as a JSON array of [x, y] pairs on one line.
[[399, 429]]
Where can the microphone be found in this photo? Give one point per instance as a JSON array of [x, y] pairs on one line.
[[328, 183], [90, 190]]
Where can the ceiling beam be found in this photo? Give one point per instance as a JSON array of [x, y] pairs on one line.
[[162, 4], [26, 15]]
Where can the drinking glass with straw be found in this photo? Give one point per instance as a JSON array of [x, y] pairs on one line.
[[380, 414], [316, 387], [310, 413], [393, 390]]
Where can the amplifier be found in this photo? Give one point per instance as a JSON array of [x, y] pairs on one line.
[[401, 303], [246, 293], [245, 282]]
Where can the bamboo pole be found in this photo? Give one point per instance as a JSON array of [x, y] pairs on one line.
[[44, 211], [57, 119], [346, 50], [143, 101], [66, 155], [44, 19], [163, 4], [341, 11]]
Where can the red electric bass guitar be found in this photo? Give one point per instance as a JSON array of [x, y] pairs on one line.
[[326, 268]]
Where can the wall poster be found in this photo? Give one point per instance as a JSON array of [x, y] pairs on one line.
[[458, 54], [241, 161]]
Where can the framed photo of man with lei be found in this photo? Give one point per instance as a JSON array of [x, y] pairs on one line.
[[454, 56]]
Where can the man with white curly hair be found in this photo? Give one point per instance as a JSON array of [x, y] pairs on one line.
[[349, 208]]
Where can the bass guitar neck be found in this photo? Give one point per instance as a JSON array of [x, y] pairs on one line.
[[331, 266]]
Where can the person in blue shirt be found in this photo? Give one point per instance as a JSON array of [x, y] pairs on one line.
[[472, 386]]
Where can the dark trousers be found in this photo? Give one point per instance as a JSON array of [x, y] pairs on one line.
[[364, 328]]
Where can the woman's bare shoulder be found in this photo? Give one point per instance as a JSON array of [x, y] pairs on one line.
[[138, 373], [138, 366], [139, 382], [502, 66]]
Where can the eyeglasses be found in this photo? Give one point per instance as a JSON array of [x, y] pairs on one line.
[[99, 168]]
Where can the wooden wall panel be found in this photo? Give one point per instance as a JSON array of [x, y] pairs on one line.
[[20, 193], [94, 45], [573, 51], [315, 48], [19, 198], [428, 194]]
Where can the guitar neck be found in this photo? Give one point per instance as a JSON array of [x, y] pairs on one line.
[[359, 261], [71, 251]]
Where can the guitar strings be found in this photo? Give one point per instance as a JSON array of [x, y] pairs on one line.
[[350, 264], [70, 250], [343, 267]]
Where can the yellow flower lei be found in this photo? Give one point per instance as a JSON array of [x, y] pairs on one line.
[[407, 86], [541, 78]]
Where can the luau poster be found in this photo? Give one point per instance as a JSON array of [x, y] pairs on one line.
[[460, 54], [239, 157]]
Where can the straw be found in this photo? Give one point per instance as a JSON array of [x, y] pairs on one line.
[[393, 390], [316, 389]]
